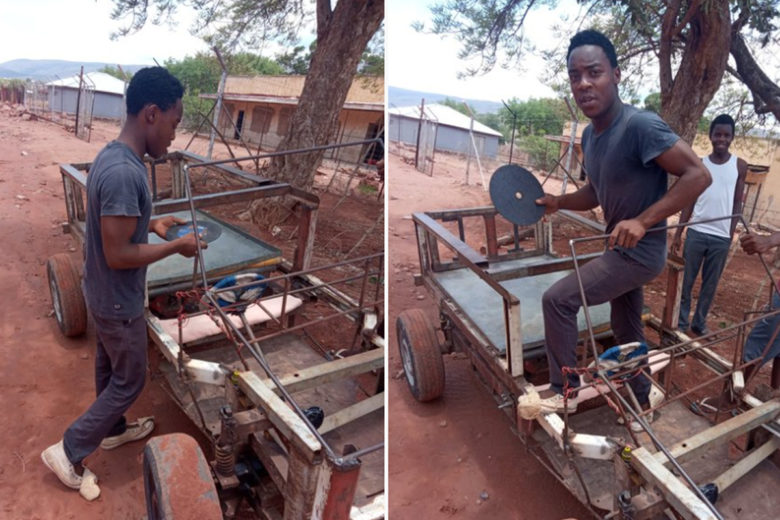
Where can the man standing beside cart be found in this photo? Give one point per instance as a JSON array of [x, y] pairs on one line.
[[116, 254], [628, 153], [707, 244]]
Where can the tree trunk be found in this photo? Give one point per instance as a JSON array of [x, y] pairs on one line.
[[341, 40], [705, 54]]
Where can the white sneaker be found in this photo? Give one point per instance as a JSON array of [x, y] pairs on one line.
[[136, 430], [555, 404], [55, 459]]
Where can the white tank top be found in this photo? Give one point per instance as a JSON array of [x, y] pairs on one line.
[[718, 199]]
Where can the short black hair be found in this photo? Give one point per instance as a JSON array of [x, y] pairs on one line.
[[723, 119], [153, 85], [593, 37]]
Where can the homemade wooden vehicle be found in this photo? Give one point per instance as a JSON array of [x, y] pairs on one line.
[[293, 434], [490, 308]]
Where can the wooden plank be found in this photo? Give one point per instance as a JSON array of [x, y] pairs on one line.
[[307, 223], [514, 340], [280, 414], [301, 488], [330, 371], [353, 412], [490, 233], [723, 432], [679, 496], [674, 280], [746, 464]]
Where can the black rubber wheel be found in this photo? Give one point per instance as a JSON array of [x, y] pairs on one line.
[[178, 481], [420, 354], [66, 296]]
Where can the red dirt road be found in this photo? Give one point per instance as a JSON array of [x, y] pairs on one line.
[[47, 379]]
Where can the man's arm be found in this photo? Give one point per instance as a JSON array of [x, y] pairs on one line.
[[121, 253], [581, 200], [680, 161], [739, 192]]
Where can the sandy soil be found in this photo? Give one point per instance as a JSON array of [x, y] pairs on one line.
[[457, 456], [47, 379]]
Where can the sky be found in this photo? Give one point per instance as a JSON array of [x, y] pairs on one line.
[[430, 63], [79, 30]]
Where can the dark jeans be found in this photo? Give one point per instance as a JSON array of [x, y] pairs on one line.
[[761, 334], [120, 373], [708, 253], [614, 278]]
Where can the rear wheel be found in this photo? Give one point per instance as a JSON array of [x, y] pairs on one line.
[[178, 481], [420, 353], [66, 296]]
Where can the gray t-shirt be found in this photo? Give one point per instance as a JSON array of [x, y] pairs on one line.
[[620, 165], [116, 186]]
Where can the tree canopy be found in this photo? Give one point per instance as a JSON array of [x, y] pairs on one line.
[[343, 31], [686, 46]]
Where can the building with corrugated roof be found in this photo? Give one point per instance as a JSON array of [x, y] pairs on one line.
[[259, 109], [453, 130], [108, 94]]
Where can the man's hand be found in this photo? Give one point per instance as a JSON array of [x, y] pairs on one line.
[[752, 244], [161, 225], [188, 245], [550, 203], [676, 247], [627, 233]]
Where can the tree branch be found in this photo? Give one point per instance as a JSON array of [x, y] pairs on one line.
[[324, 13], [765, 92]]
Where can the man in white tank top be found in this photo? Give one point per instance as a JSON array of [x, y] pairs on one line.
[[707, 244]]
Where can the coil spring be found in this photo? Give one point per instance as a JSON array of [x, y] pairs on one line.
[[225, 460]]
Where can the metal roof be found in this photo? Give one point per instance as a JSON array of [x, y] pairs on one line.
[[103, 82], [445, 116]]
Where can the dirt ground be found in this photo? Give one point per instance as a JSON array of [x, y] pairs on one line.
[[47, 379], [456, 457]]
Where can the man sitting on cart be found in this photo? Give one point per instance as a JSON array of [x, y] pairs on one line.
[[628, 153], [116, 253]]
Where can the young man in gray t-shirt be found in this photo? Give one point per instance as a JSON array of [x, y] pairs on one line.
[[627, 154], [116, 253]]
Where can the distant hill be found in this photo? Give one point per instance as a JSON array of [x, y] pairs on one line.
[[47, 70], [401, 97]]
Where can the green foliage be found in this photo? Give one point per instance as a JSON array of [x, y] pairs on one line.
[[653, 102], [542, 152], [117, 73], [372, 62], [296, 61], [460, 106], [493, 120], [535, 116]]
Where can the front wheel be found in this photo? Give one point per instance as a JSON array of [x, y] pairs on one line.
[[178, 481], [420, 354]]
